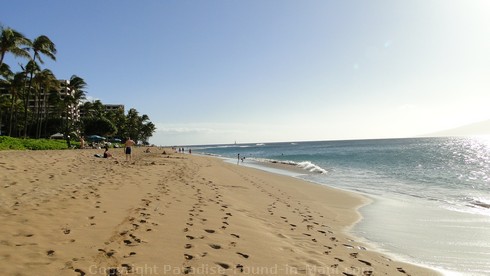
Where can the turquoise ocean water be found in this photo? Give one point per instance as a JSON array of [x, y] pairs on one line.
[[431, 196]]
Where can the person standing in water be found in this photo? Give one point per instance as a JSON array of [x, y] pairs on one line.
[[128, 148]]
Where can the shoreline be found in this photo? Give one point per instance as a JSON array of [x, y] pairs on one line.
[[293, 170], [69, 213]]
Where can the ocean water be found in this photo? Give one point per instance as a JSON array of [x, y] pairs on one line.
[[431, 196]]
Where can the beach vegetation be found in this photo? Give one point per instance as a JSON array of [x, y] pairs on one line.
[[11, 143], [12, 41], [99, 126], [34, 103], [41, 45]]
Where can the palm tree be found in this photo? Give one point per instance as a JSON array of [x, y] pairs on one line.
[[42, 45], [132, 124], [6, 77], [75, 93], [5, 71], [44, 82], [17, 83], [12, 41], [147, 131], [98, 109], [31, 68]]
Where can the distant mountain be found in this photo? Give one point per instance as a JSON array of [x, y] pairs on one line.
[[480, 128]]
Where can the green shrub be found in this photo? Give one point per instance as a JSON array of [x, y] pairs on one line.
[[9, 143]]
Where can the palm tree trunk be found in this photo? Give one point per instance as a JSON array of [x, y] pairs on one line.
[[12, 112], [26, 104], [31, 75], [42, 130], [1, 119], [1, 58]]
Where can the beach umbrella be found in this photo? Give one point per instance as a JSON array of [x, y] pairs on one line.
[[57, 136], [95, 138]]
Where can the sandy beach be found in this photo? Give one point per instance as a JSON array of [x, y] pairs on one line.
[[70, 213]]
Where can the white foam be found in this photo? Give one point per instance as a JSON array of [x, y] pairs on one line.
[[307, 165]]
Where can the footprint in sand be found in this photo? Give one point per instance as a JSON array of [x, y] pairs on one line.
[[112, 272], [223, 265], [187, 270], [243, 255], [215, 246], [130, 254], [81, 272], [365, 262], [401, 270], [127, 266]]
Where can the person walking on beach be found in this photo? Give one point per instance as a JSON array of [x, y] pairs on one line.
[[238, 161], [128, 144], [82, 142]]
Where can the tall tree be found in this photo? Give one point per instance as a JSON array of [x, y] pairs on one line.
[[139, 128], [132, 124], [6, 77], [117, 117], [31, 68], [12, 41], [15, 88], [41, 46], [44, 82], [74, 94]]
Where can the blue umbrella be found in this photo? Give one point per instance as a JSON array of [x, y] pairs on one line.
[[95, 138]]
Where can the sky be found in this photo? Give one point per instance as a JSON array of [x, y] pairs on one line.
[[220, 71]]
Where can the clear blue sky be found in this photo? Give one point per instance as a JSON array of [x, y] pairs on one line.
[[261, 71]]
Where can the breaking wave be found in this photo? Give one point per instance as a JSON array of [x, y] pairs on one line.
[[305, 165]]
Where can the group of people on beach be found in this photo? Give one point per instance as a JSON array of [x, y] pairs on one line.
[[128, 144], [242, 158]]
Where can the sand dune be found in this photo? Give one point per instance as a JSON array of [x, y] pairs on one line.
[[69, 213]]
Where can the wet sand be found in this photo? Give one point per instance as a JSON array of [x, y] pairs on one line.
[[70, 213]]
